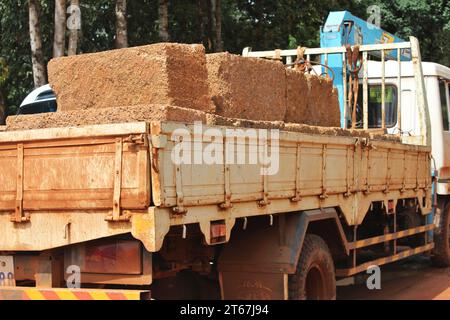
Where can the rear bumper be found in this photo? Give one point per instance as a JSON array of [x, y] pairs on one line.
[[27, 293]]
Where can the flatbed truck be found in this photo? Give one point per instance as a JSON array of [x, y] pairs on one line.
[[105, 212]]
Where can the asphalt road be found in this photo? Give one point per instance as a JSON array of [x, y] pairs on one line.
[[414, 279]]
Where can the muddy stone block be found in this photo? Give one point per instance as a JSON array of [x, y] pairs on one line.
[[167, 73], [323, 102], [247, 88], [297, 95]]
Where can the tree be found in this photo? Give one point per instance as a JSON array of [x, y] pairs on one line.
[[59, 42], [74, 24], [401, 17], [121, 24], [260, 24], [217, 5], [163, 13], [37, 55], [206, 18], [2, 107], [3, 77]]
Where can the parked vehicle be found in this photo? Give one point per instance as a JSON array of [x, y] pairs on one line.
[[40, 100], [106, 207]]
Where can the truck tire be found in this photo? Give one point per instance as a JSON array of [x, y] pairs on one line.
[[314, 278], [409, 219], [441, 257]]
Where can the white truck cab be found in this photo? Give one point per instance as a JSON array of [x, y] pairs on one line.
[[437, 85]]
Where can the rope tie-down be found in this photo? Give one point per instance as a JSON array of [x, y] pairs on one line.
[[354, 64]]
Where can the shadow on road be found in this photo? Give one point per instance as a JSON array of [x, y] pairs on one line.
[[414, 279]]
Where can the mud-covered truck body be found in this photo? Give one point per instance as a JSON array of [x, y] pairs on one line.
[[113, 207], [64, 189]]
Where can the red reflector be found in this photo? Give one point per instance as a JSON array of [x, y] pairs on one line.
[[218, 231], [391, 206]]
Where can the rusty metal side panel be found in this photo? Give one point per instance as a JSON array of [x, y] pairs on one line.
[[59, 186], [75, 174]]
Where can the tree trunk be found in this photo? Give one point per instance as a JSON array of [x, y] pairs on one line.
[[218, 25], [164, 20], [121, 24], [37, 55], [206, 16], [59, 41], [2, 107], [74, 25]]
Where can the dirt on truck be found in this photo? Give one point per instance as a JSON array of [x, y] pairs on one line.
[[184, 175]]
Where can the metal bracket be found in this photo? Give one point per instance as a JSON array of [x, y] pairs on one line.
[[297, 196], [324, 172], [403, 189], [117, 214], [265, 200], [179, 209], [369, 167], [227, 182], [417, 188], [388, 173], [227, 188], [140, 139], [348, 193], [158, 141], [18, 215]]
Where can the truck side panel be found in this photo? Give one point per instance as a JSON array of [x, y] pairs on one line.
[[58, 183], [87, 167], [309, 166], [348, 173]]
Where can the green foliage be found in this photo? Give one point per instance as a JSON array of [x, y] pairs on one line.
[[4, 71], [260, 24], [15, 50]]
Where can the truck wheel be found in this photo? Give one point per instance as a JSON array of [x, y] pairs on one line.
[[409, 219], [315, 277], [441, 251]]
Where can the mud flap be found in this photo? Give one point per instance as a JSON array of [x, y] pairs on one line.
[[253, 286]]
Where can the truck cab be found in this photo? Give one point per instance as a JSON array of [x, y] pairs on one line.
[[387, 82], [437, 85]]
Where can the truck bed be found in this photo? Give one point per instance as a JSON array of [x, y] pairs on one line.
[[69, 185]]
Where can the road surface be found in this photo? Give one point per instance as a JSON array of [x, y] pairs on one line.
[[414, 279]]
